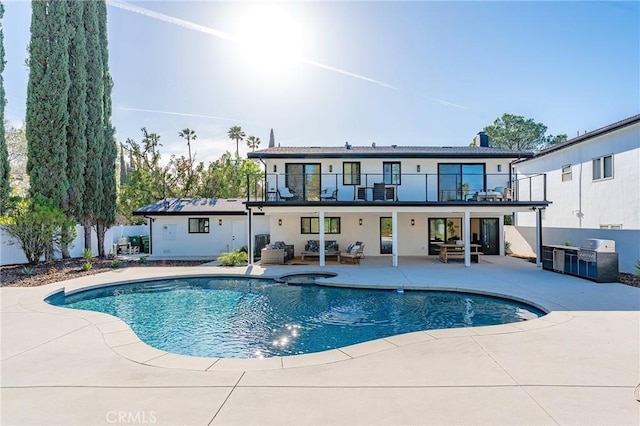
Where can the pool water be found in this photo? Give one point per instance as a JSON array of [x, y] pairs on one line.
[[254, 318]]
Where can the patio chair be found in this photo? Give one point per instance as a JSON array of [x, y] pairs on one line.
[[329, 193], [355, 252], [379, 192], [285, 193]]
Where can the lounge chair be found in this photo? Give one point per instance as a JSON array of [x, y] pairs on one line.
[[355, 253], [285, 193], [330, 193]]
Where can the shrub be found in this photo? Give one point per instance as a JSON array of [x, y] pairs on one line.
[[232, 259], [27, 270], [143, 259], [115, 264], [507, 247], [38, 226], [638, 267], [86, 266], [87, 253]]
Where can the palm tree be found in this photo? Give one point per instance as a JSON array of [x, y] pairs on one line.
[[253, 142], [236, 134], [189, 135]]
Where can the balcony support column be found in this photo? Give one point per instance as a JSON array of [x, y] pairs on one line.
[[321, 230], [250, 247], [467, 238], [501, 235]]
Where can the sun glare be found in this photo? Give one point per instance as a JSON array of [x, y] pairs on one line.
[[270, 38]]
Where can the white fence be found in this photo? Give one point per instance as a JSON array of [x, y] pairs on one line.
[[11, 253]]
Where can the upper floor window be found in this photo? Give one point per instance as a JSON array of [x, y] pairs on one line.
[[566, 173], [351, 173], [311, 225], [198, 225], [391, 173], [603, 167]]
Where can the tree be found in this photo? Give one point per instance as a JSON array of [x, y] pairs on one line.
[[516, 132], [76, 143], [37, 224], [189, 135], [47, 115], [106, 215], [94, 192], [272, 140], [236, 134], [253, 142], [5, 171]]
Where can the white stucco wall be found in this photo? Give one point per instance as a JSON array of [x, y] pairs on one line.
[[171, 237], [583, 202], [12, 254]]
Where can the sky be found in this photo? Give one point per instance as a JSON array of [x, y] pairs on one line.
[[325, 73]]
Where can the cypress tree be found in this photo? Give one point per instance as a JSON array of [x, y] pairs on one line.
[[94, 190], [77, 107], [47, 101], [5, 182], [107, 213]]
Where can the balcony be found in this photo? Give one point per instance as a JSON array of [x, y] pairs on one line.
[[281, 188]]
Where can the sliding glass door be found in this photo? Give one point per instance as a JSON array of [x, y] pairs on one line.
[[304, 181], [457, 181]]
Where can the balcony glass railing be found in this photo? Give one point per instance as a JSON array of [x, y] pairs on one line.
[[411, 187]]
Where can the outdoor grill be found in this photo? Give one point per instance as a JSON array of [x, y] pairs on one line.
[[598, 260], [595, 259]]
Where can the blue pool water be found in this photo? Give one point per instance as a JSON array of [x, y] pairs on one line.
[[247, 318]]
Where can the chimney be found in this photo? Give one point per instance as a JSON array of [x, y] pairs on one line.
[[481, 140], [373, 144], [347, 146]]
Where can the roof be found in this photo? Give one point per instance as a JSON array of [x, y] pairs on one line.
[[191, 206], [388, 152], [590, 135]]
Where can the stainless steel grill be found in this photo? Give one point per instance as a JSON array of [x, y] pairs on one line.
[[590, 247]]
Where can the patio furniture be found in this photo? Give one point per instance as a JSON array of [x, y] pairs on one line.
[[312, 249], [355, 252], [278, 252], [456, 251], [329, 193], [285, 194]]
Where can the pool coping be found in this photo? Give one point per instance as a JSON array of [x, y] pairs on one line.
[[121, 339]]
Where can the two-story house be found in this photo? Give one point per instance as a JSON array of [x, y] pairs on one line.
[[398, 201]]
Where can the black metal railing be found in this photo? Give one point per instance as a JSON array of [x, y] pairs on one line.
[[406, 187]]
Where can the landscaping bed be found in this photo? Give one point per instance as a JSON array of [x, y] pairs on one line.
[[66, 269]]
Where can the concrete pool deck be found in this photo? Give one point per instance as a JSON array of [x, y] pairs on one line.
[[579, 364]]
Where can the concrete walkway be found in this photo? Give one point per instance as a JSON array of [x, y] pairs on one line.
[[579, 364]]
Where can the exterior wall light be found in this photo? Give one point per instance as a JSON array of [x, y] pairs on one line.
[[413, 222], [279, 222], [330, 168], [499, 167], [219, 222], [418, 168], [275, 168], [360, 221]]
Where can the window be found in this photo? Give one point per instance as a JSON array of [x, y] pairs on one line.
[[198, 225], [311, 225], [391, 172], [566, 173], [456, 181], [603, 167], [351, 173]]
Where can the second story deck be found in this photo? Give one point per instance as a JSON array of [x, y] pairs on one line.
[[402, 189]]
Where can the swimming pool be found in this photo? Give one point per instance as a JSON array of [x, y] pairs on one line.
[[255, 318]]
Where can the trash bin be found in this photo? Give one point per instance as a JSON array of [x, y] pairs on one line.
[[135, 241], [144, 240]]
